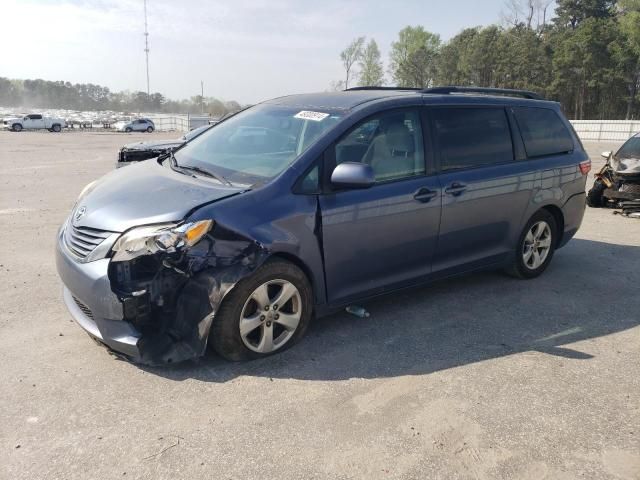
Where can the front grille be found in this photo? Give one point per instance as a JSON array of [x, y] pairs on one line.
[[630, 188], [83, 240], [86, 310]]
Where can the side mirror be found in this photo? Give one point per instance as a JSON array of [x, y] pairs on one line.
[[606, 155], [353, 175]]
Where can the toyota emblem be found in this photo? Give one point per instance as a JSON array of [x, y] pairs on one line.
[[80, 213]]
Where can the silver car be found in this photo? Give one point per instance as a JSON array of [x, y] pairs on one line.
[[138, 125]]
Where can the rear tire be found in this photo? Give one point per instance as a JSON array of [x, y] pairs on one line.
[[56, 128], [264, 331], [128, 130], [149, 129], [536, 246], [16, 127]]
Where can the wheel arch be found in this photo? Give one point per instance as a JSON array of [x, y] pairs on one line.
[[558, 216], [302, 266]]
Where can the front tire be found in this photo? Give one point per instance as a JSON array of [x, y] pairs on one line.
[[263, 314], [16, 127], [128, 130], [536, 246], [149, 129]]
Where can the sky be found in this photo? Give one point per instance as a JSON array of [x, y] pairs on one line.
[[242, 50]]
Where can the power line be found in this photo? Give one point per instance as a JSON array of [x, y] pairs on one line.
[[146, 44]]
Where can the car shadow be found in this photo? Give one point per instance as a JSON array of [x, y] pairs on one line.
[[588, 291]]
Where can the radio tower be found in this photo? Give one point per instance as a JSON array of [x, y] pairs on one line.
[[146, 44]]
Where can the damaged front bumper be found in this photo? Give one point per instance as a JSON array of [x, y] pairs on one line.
[[156, 309], [88, 297]]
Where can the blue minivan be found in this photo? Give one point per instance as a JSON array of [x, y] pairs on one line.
[[305, 204]]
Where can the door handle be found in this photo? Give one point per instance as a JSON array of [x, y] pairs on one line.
[[425, 195], [455, 189]]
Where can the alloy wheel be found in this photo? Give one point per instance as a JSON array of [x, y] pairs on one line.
[[537, 245], [270, 316]]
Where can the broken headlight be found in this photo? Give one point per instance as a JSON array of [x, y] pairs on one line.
[[159, 238]]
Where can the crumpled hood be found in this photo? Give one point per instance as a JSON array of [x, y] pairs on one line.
[[160, 144], [626, 166], [143, 194]]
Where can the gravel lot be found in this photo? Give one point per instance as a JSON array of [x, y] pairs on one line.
[[478, 377]]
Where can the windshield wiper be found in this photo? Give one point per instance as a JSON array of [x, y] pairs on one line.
[[204, 172]]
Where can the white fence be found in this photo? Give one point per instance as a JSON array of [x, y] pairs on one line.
[[181, 123], [170, 123], [606, 130]]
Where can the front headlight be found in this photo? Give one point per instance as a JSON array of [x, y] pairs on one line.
[[159, 238]]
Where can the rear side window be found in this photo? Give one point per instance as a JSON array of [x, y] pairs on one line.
[[543, 132], [472, 137]]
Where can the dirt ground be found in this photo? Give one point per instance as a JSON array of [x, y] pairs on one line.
[[478, 377]]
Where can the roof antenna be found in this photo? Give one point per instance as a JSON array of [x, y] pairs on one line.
[[146, 44]]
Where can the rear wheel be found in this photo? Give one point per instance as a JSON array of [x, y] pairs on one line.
[[149, 129], [128, 130], [56, 128], [264, 314], [536, 246], [16, 127]]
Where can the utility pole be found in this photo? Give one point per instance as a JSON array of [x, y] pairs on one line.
[[201, 97], [146, 45]]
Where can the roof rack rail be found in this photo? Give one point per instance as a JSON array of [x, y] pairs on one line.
[[352, 89], [487, 91]]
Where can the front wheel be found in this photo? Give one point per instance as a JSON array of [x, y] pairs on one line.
[[265, 313], [128, 130], [149, 129], [535, 247], [16, 127]]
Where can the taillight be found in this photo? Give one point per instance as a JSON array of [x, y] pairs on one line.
[[585, 167]]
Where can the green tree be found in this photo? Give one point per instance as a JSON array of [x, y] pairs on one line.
[[371, 69], [571, 13], [413, 57], [454, 66], [586, 77], [628, 51], [350, 56], [523, 60]]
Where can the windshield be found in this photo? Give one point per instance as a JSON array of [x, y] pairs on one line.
[[631, 149], [627, 160], [257, 144]]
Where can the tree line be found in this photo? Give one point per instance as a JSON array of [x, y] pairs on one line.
[[87, 96], [585, 54]]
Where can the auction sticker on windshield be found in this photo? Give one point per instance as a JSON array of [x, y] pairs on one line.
[[315, 116]]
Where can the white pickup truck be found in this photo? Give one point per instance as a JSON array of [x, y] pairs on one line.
[[34, 122]]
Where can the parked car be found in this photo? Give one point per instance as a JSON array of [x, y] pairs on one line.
[[305, 204], [35, 121], [136, 152], [139, 125], [617, 184]]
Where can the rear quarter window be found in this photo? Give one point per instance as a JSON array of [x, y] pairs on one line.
[[543, 132]]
